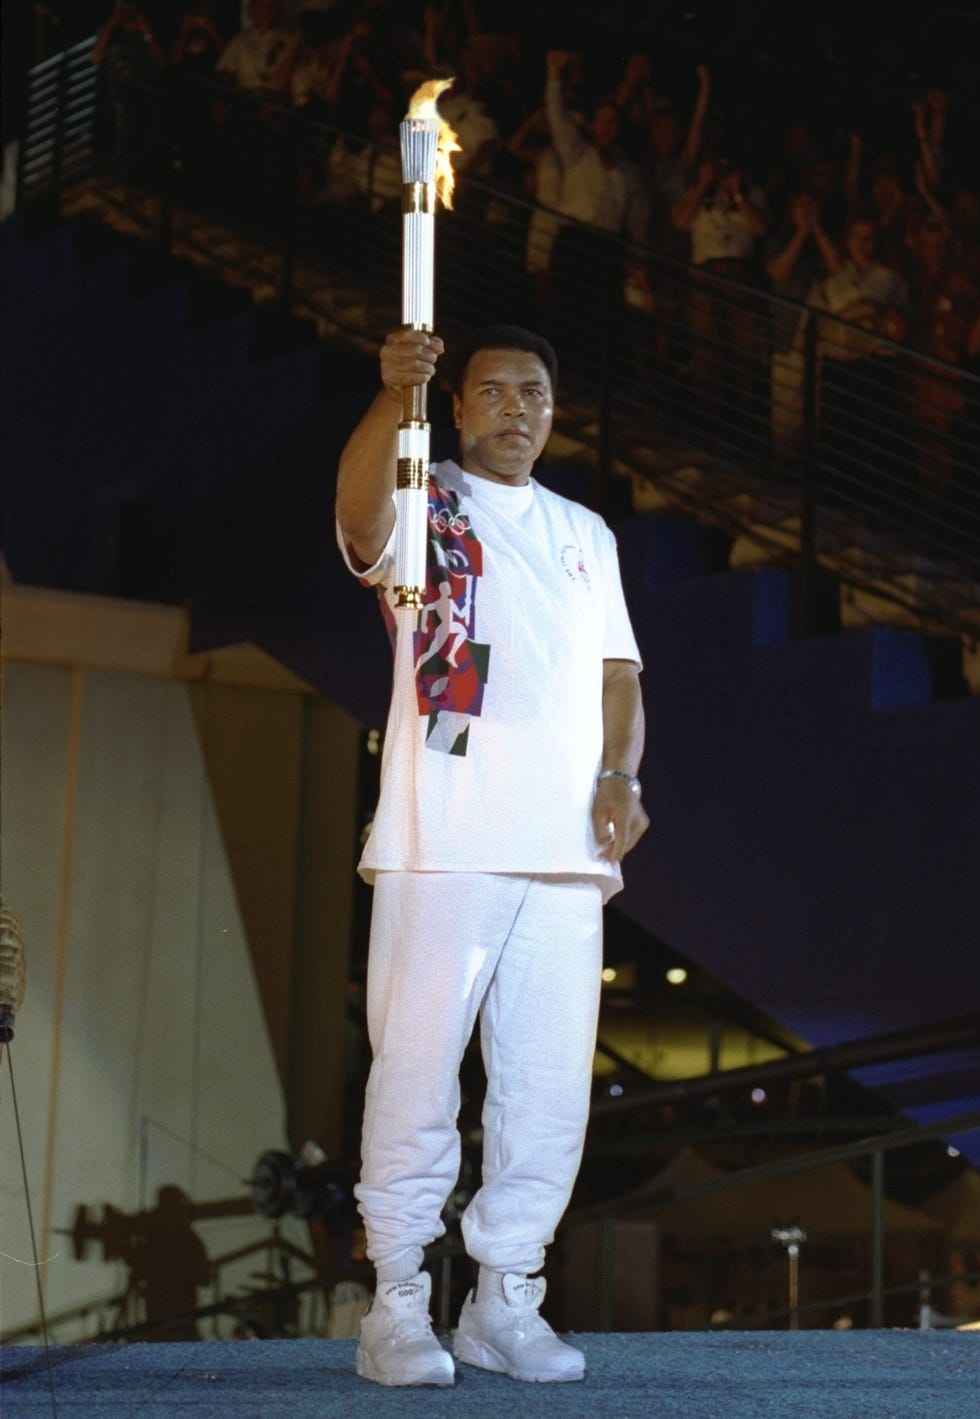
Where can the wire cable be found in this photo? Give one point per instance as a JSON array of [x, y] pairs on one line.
[[30, 1224]]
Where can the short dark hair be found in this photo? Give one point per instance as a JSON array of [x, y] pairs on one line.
[[500, 337]]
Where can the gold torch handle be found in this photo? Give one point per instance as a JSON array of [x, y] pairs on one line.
[[414, 409]]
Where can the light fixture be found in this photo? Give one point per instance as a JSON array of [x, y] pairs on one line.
[[609, 974], [676, 975]]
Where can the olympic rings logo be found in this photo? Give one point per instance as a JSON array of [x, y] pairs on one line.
[[444, 521]]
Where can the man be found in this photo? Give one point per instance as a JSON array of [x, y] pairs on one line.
[[863, 291], [726, 217], [259, 58], [129, 55], [800, 254], [508, 800], [857, 372], [598, 186]]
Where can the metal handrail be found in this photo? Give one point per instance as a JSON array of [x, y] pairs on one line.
[[845, 1301], [958, 1033], [835, 1153], [236, 1305], [874, 1147]]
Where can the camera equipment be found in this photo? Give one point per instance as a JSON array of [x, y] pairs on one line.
[[307, 1186]]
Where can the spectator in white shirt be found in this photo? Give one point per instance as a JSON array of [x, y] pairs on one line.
[[599, 185], [865, 293], [601, 188], [864, 463], [258, 59], [726, 218]]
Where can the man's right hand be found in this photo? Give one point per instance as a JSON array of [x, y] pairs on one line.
[[557, 61], [408, 359]]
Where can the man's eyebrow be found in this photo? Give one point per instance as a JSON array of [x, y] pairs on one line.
[[502, 379]]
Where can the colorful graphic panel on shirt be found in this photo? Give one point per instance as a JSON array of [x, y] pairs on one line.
[[451, 666]]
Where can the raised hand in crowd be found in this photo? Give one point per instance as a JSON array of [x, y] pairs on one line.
[[807, 222], [852, 170], [198, 40], [688, 205], [695, 130], [938, 102], [447, 25], [559, 61], [926, 158], [127, 25]]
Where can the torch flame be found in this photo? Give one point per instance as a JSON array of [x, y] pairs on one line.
[[422, 105]]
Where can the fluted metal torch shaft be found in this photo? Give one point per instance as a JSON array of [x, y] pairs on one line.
[[419, 140]]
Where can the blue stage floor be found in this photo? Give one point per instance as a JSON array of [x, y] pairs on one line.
[[680, 1375]]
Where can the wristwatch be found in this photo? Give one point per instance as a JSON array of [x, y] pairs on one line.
[[634, 783]]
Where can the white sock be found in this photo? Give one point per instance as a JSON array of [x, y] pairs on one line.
[[490, 1284], [403, 1268]]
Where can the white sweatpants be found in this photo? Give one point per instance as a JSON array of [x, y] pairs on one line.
[[525, 954]]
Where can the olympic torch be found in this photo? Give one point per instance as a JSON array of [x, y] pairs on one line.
[[426, 143]]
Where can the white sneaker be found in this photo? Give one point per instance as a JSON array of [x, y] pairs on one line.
[[397, 1346], [506, 1334]]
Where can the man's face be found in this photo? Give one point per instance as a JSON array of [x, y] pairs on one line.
[[605, 127], [263, 13], [503, 414], [823, 178], [803, 207], [664, 134], [886, 190], [933, 243], [861, 243]]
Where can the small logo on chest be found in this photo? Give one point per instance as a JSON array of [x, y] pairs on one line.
[[573, 564]]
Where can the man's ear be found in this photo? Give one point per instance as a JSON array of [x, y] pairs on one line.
[[457, 412]]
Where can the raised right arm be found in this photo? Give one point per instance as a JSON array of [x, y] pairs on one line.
[[566, 137], [686, 208], [695, 129], [368, 464]]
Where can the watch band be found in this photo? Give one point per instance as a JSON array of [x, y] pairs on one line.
[[634, 783]]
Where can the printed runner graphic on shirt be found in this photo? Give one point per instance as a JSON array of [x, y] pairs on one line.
[[450, 665]]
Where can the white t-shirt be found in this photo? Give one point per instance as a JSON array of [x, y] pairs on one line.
[[255, 59], [494, 734], [848, 286], [718, 232], [608, 195], [842, 294]]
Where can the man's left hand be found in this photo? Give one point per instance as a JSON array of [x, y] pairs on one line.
[[619, 819]]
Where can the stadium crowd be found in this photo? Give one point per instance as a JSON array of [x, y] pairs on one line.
[[822, 175]]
